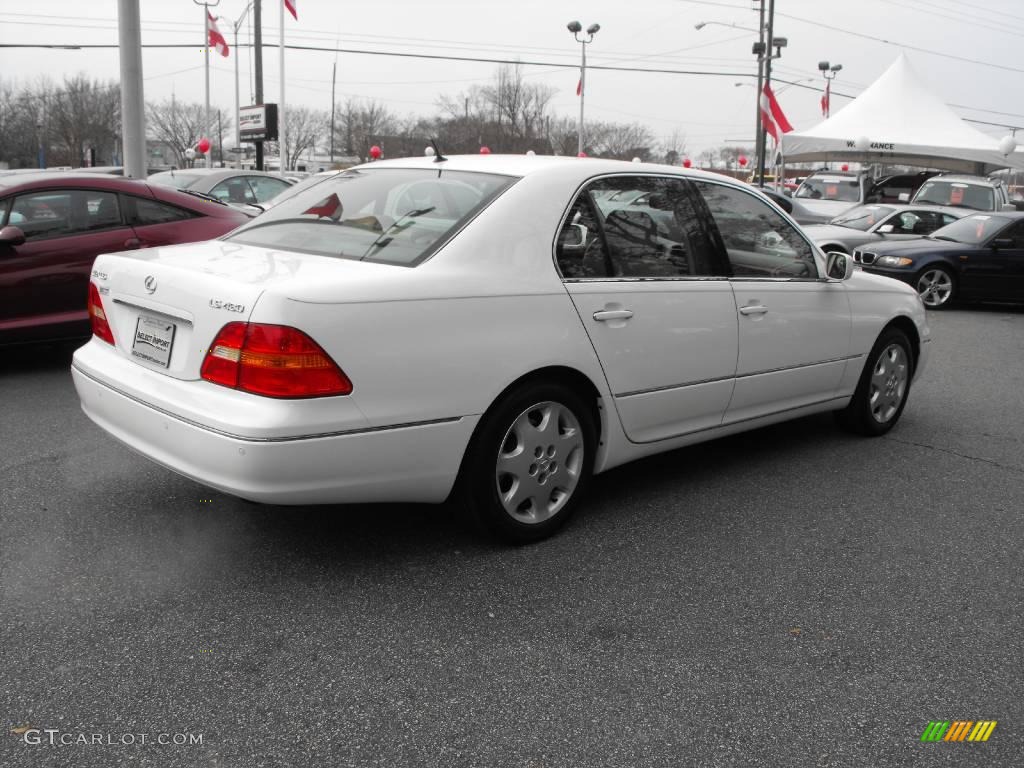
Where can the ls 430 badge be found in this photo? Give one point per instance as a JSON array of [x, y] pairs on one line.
[[218, 304]]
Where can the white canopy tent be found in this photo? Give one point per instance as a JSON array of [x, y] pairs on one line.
[[899, 121]]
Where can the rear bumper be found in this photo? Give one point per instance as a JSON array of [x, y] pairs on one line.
[[417, 462]]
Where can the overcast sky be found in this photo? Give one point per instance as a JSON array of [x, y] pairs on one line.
[[971, 58]]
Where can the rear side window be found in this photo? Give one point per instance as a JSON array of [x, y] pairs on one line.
[[637, 226], [236, 190], [389, 215], [154, 212]]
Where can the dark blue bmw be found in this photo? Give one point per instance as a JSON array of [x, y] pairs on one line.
[[981, 257]]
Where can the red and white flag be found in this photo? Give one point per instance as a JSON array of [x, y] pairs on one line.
[[216, 40], [772, 117], [825, 98], [328, 208], [579, 87], [290, 5]]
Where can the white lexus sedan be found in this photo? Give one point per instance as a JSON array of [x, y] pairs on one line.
[[494, 329]]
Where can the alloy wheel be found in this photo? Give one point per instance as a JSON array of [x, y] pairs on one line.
[[935, 286], [539, 462], [888, 385]]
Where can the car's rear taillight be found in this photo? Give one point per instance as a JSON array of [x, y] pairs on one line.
[[274, 361], [98, 317]]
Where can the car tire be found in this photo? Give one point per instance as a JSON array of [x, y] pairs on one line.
[[529, 463], [884, 386], [936, 286]]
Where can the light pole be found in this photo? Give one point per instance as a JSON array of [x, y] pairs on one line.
[[575, 27], [764, 54], [237, 25], [206, 66], [829, 72]]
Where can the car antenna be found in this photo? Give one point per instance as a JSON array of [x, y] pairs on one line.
[[438, 157]]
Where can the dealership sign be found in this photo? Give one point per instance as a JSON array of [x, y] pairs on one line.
[[258, 123]]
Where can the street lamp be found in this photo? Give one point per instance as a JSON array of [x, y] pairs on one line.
[[236, 26], [575, 27], [206, 58], [829, 72]]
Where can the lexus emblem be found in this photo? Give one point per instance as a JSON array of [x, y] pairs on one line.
[[150, 284]]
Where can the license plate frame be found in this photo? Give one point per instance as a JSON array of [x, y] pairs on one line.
[[156, 337]]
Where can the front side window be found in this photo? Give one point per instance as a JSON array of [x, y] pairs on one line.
[[919, 222], [637, 226], [758, 241], [42, 214], [389, 215]]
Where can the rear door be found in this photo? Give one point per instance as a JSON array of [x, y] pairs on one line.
[[794, 327], [651, 291], [44, 282]]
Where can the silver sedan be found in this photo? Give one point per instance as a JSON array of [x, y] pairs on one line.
[[873, 223], [233, 186]]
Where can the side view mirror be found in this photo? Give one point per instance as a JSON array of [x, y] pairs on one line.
[[838, 266], [999, 242], [11, 235], [573, 238], [885, 229], [904, 197]]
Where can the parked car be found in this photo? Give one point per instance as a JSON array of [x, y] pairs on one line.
[[897, 188], [826, 194], [478, 327], [243, 189], [54, 225], [868, 224], [794, 208], [981, 256], [957, 191]]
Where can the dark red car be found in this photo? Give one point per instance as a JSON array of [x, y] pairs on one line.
[[52, 227]]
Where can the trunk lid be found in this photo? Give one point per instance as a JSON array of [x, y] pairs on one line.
[[166, 305]]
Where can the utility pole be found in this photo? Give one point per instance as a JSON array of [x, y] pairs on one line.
[[758, 132], [257, 18], [282, 138], [762, 136], [334, 73], [133, 127]]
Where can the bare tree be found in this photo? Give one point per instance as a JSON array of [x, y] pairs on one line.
[[620, 141], [302, 129], [178, 125], [361, 125], [673, 147], [80, 115], [21, 122]]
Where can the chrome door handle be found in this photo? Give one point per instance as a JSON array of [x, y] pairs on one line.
[[613, 314], [753, 309]]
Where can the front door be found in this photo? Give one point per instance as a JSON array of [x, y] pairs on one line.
[[794, 326], [44, 282]]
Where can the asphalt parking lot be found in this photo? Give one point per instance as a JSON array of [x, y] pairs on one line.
[[791, 596]]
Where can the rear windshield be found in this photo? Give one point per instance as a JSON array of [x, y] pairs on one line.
[[834, 188], [863, 217], [389, 215], [957, 194], [174, 179]]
